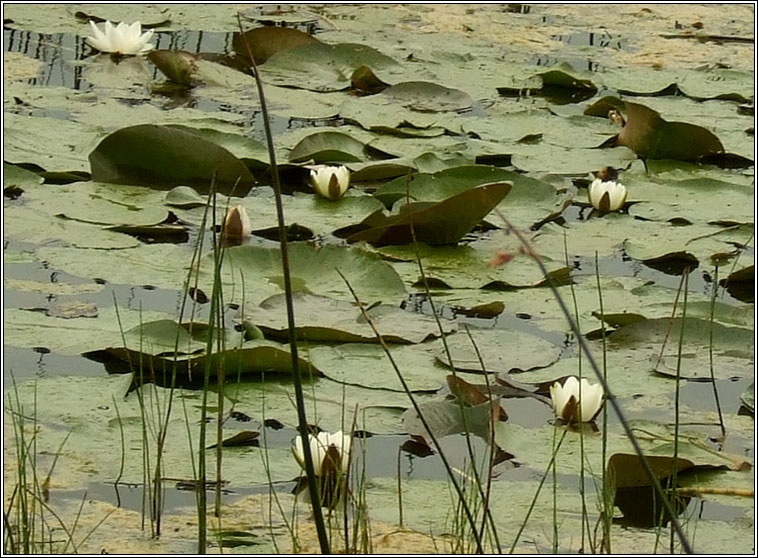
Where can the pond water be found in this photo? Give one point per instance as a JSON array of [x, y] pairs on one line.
[[72, 287]]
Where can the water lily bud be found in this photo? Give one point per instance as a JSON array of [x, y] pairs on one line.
[[322, 447], [567, 397], [122, 39], [607, 195], [236, 223], [330, 182]]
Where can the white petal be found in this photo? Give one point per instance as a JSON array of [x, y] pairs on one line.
[[618, 195]]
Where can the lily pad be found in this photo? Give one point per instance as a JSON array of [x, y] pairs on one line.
[[728, 203], [557, 86], [502, 351], [322, 67], [162, 157], [328, 147], [367, 365], [322, 319], [266, 41], [312, 270], [732, 347], [651, 137], [445, 222], [529, 201], [425, 96], [158, 350]]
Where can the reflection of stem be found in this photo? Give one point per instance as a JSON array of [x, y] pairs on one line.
[[671, 320], [609, 395], [710, 351]]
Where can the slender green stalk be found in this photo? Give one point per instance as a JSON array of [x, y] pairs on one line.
[[582, 490], [607, 513], [301, 416], [449, 356], [536, 494], [675, 463], [408, 392], [609, 395]]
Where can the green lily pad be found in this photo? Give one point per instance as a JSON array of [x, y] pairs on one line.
[[445, 222], [177, 65], [367, 365], [728, 203], [502, 351], [312, 270], [425, 96], [557, 86], [328, 147], [163, 157], [732, 347], [38, 140], [651, 137], [322, 67], [475, 265], [322, 319], [157, 350], [266, 41], [529, 201]]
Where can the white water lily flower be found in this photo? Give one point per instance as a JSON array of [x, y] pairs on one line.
[[320, 445], [330, 182], [121, 39], [607, 195], [236, 223], [566, 400]]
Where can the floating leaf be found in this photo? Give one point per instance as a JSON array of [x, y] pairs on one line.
[[244, 438], [322, 67], [557, 86], [652, 137], [426, 96], [328, 147], [266, 41], [312, 270], [367, 365], [163, 157], [529, 201], [502, 351], [322, 319], [445, 222], [365, 82], [258, 356]]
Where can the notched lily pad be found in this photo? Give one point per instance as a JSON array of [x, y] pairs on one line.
[[321, 67], [163, 157]]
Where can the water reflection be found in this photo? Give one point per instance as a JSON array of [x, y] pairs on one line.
[[62, 53]]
